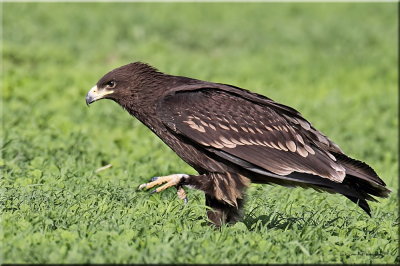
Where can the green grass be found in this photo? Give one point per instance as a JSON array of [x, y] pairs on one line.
[[335, 63]]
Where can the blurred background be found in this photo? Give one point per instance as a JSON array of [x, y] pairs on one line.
[[334, 62]]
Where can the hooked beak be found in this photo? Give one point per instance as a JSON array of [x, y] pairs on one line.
[[96, 94]]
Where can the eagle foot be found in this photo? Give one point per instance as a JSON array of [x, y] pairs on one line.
[[170, 180], [182, 194]]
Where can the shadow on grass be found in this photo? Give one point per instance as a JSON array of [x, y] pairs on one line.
[[282, 221], [272, 221]]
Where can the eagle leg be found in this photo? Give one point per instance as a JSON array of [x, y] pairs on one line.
[[170, 180], [182, 194], [224, 194], [221, 213]]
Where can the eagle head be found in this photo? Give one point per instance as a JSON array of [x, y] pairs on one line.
[[124, 83]]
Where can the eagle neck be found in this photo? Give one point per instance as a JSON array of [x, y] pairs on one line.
[[143, 107]]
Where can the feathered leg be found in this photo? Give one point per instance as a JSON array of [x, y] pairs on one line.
[[222, 213], [224, 195]]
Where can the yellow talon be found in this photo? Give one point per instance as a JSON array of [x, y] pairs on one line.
[[170, 180]]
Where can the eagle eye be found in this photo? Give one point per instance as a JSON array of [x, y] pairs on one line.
[[111, 84]]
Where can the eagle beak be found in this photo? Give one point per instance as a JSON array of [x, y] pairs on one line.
[[96, 94]]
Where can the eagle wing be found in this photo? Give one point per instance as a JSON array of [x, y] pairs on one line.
[[229, 121]]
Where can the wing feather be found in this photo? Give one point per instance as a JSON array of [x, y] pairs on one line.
[[262, 133]]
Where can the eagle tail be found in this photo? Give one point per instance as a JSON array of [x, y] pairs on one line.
[[362, 203], [364, 182], [360, 184]]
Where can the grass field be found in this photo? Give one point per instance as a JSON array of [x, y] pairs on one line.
[[335, 63]]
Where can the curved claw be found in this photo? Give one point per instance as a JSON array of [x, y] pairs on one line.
[[142, 186]]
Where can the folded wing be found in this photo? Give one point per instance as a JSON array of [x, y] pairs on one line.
[[256, 130]]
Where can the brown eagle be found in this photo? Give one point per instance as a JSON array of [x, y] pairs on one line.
[[232, 137]]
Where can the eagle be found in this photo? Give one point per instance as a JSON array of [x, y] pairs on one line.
[[232, 137]]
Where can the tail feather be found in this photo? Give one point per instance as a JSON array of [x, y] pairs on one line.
[[362, 203], [362, 177], [360, 185], [364, 180], [359, 169]]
